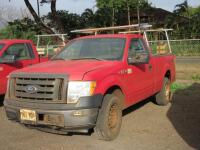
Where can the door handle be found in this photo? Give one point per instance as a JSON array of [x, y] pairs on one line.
[[150, 67]]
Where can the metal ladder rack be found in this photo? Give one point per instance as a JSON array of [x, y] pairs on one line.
[[134, 28], [95, 31], [152, 30]]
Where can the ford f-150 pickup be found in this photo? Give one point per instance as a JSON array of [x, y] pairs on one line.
[[16, 54], [88, 84]]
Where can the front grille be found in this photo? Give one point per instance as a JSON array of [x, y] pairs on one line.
[[47, 88]]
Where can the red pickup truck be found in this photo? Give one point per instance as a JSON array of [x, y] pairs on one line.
[[16, 54], [88, 84]]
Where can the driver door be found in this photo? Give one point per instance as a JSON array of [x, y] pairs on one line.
[[139, 80]]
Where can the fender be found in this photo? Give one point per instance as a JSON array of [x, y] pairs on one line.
[[166, 68], [161, 76], [108, 82]]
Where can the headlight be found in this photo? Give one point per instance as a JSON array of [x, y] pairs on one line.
[[77, 89]]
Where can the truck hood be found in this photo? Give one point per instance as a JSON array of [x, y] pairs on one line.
[[76, 69]]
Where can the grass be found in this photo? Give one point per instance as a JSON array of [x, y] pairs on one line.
[[195, 77], [178, 86]]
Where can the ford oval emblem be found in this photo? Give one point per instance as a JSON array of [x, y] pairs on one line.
[[31, 89]]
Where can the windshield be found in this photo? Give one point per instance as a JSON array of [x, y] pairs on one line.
[[1, 46], [96, 48]]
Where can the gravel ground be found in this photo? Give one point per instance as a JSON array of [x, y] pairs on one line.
[[145, 126]]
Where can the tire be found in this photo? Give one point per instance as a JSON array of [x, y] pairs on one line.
[[109, 118], [164, 96]]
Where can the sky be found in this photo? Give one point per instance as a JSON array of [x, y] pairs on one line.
[[78, 6]]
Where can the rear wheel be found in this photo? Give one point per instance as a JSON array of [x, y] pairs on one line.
[[109, 119], [165, 95]]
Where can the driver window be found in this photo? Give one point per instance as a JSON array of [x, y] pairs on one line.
[[136, 45], [20, 51]]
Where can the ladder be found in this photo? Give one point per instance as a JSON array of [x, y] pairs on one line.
[[126, 27], [134, 28]]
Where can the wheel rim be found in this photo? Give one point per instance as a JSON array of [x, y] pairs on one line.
[[113, 117], [167, 91]]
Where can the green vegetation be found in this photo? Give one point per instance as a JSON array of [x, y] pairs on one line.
[[184, 20], [178, 86], [186, 48], [196, 77], [182, 47], [20, 29]]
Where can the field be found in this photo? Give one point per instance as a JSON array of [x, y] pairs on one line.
[[145, 125], [188, 68]]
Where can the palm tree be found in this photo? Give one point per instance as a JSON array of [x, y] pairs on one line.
[[182, 9], [87, 17]]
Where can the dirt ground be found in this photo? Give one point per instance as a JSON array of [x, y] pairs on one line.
[[187, 68], [145, 126]]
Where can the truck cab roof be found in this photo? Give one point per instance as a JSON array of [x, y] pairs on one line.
[[10, 41]]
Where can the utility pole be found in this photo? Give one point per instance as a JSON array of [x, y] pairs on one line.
[[38, 8]]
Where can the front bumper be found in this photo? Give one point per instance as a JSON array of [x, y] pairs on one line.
[[58, 118]]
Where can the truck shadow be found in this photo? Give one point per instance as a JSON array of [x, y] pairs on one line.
[[1, 100], [136, 106], [184, 114]]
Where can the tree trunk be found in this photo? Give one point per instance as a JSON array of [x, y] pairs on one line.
[[37, 18], [113, 17], [55, 16], [128, 12]]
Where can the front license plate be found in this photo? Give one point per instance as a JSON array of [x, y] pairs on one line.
[[28, 115]]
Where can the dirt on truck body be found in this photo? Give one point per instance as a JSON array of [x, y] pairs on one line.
[[88, 84]]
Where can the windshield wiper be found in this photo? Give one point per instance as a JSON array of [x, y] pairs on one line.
[[87, 58]]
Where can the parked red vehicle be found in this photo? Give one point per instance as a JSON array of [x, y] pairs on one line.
[[14, 55], [88, 84]]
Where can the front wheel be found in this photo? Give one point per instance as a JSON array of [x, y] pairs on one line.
[[165, 95], [109, 119]]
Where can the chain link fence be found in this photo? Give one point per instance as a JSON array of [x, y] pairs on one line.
[[185, 47]]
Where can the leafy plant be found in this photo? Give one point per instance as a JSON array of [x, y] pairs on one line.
[[178, 86], [196, 77]]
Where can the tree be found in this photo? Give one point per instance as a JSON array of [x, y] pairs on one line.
[[102, 17], [37, 18], [191, 27], [70, 21], [20, 29], [195, 21], [182, 9], [55, 16], [88, 18], [114, 5], [122, 6]]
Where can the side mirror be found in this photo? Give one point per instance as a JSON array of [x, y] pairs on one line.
[[139, 57], [8, 59]]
